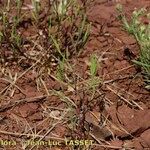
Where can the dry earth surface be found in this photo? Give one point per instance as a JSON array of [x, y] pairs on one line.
[[29, 111]]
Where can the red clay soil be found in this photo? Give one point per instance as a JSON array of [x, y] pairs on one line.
[[128, 102]]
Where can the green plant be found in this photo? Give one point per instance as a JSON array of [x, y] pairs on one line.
[[36, 9], [15, 38], [141, 33], [9, 33], [1, 37], [4, 19], [93, 66], [93, 80], [19, 5], [61, 7], [60, 72], [57, 44], [60, 37], [68, 28]]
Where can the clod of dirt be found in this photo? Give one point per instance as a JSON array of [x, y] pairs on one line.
[[58, 86], [27, 109], [128, 39], [100, 12], [133, 121], [33, 106], [36, 117], [100, 133], [137, 145], [146, 137], [116, 143], [121, 64]]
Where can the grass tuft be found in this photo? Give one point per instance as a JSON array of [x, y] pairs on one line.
[[141, 32]]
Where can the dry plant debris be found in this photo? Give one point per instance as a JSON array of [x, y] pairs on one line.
[[71, 77]]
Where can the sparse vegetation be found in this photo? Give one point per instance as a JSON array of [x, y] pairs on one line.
[[56, 91], [63, 35]]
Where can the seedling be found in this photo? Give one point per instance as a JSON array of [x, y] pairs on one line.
[[93, 81], [93, 66]]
